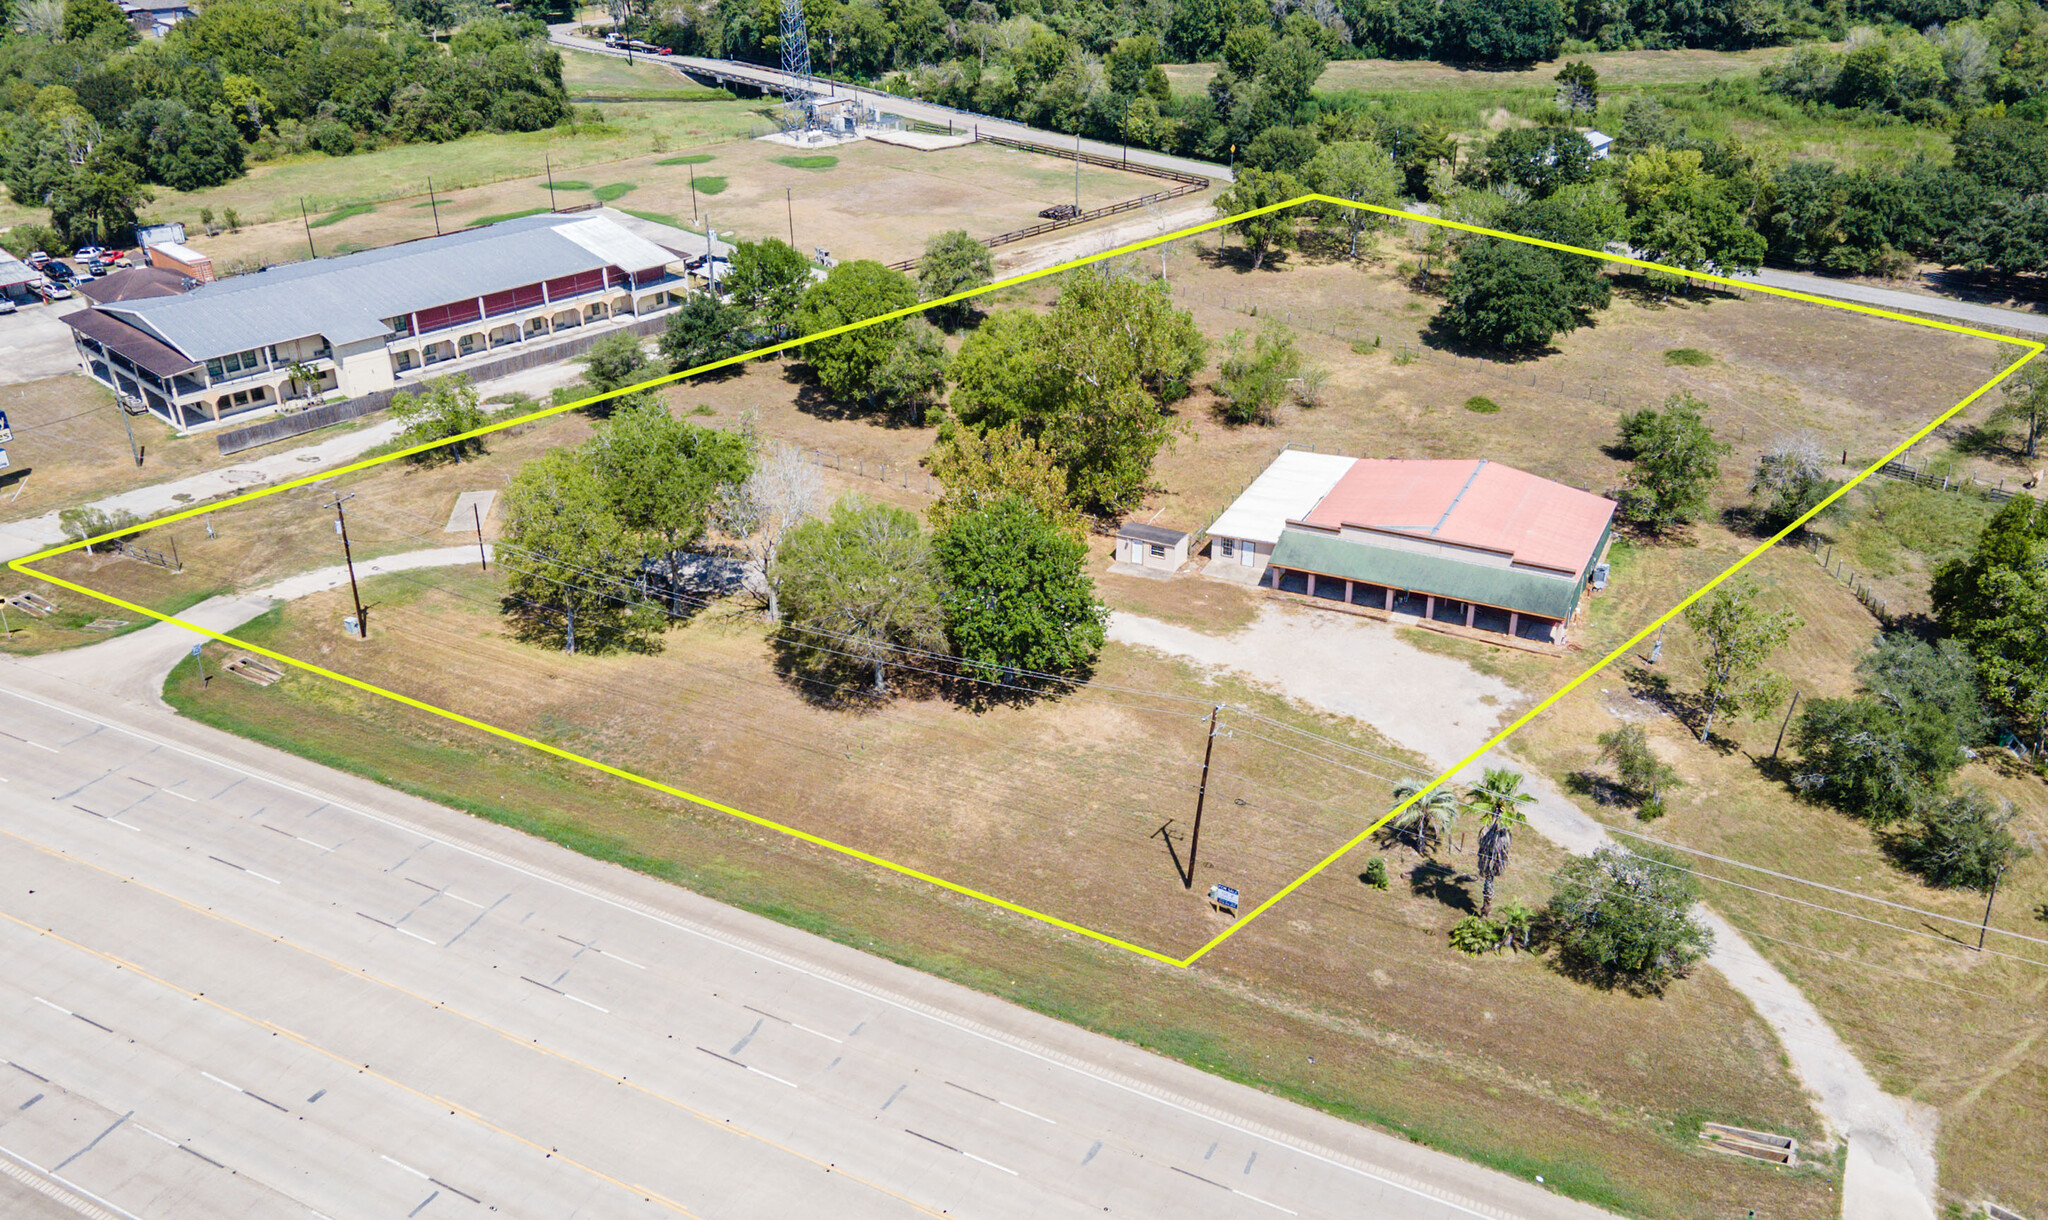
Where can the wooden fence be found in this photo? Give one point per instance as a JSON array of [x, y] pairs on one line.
[[1921, 478]]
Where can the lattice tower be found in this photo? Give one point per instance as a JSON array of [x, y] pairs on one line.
[[796, 63]]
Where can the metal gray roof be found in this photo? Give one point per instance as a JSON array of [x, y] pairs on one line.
[[1150, 533], [346, 299]]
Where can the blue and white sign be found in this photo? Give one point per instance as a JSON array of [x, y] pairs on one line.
[[196, 648], [6, 433], [3, 459], [1223, 896]]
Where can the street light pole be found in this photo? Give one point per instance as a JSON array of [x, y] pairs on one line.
[[348, 557]]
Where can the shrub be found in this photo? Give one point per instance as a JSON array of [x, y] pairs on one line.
[[1690, 357], [331, 136], [1254, 376], [1376, 872], [1962, 841], [1624, 918], [1475, 934], [1479, 404]]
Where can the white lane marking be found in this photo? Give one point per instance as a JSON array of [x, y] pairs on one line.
[[807, 1029], [61, 1180], [991, 1164], [416, 936], [732, 942], [585, 1003], [125, 825], [217, 1080], [153, 1135], [777, 1079], [1026, 1113], [402, 1165], [260, 877], [3, 779], [1275, 1206], [459, 898], [46, 1004], [181, 796], [615, 957]]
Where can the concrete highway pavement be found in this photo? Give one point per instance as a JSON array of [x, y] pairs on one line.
[[242, 985]]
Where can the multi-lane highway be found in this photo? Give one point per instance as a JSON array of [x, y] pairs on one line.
[[233, 984]]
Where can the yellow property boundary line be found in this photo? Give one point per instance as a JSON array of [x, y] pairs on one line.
[[2033, 349]]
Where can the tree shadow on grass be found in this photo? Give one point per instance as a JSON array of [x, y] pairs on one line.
[[812, 400], [1446, 885]]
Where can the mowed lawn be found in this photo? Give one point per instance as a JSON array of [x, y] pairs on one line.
[[1054, 804]]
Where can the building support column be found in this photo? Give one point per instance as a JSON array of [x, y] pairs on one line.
[[1514, 621], [1471, 609], [1429, 608], [1311, 584], [1347, 592]]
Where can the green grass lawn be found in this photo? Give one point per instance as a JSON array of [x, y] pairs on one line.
[[817, 161], [710, 185], [491, 220], [611, 191], [343, 213], [565, 184], [660, 218], [688, 159]]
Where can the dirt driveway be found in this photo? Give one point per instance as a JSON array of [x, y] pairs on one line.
[[1444, 710]]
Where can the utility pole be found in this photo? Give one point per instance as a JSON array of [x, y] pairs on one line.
[[693, 192], [790, 208], [1787, 724], [341, 527], [1201, 794], [305, 220], [481, 557], [434, 204], [1988, 900], [134, 450], [1077, 170], [550, 164]]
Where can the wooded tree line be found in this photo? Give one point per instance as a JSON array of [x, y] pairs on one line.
[[90, 115]]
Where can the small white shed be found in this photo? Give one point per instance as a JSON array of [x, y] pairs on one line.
[[1600, 143], [1151, 546]]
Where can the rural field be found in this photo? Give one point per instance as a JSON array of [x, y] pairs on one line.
[[68, 430], [1059, 803]]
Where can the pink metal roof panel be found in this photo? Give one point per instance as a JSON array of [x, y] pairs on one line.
[[1471, 503]]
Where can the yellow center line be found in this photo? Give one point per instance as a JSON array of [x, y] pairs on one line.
[[519, 1040]]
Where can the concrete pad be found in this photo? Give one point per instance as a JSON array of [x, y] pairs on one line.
[[923, 141], [35, 343], [470, 508]]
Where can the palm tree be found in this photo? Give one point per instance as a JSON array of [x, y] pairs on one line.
[[1498, 799], [1430, 820]]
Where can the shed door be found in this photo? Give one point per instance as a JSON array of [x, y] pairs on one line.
[[1247, 554]]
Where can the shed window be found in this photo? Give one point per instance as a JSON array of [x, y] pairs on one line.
[[1158, 551], [1229, 547]]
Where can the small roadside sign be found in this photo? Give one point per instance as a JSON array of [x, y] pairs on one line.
[[1223, 898], [3, 459], [196, 648], [6, 433]]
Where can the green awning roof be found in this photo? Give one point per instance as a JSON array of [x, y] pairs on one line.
[[1330, 555]]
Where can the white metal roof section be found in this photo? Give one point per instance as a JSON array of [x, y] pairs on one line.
[[14, 271], [346, 299], [1287, 490], [612, 243], [183, 253]]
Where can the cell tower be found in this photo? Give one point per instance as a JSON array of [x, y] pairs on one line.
[[801, 113]]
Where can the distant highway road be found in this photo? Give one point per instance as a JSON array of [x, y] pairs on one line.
[[241, 985], [772, 80]]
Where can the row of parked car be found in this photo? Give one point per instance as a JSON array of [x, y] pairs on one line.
[[59, 275]]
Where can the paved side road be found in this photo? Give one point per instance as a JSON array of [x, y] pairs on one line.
[[245, 985], [1443, 710]]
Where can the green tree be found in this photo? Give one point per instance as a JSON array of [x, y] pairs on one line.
[[976, 469], [661, 474], [1791, 481], [1501, 31], [1961, 841], [912, 379], [1266, 233], [1018, 597], [569, 561], [1624, 919], [1428, 823], [1497, 800], [704, 331], [1541, 160], [1511, 297], [445, 407], [1578, 90], [1674, 462], [767, 280], [2025, 404], [861, 584], [1362, 172], [1254, 375], [99, 203], [87, 19], [1682, 215], [613, 363], [846, 364], [2016, 539], [181, 149], [2011, 645], [1643, 774], [1736, 639], [953, 262]]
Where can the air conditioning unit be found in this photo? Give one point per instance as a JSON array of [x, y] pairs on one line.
[[1600, 575]]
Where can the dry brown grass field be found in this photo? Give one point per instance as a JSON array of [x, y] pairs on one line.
[[68, 430], [1055, 803]]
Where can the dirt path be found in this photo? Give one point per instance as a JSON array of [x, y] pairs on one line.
[[1445, 710], [1016, 260]]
